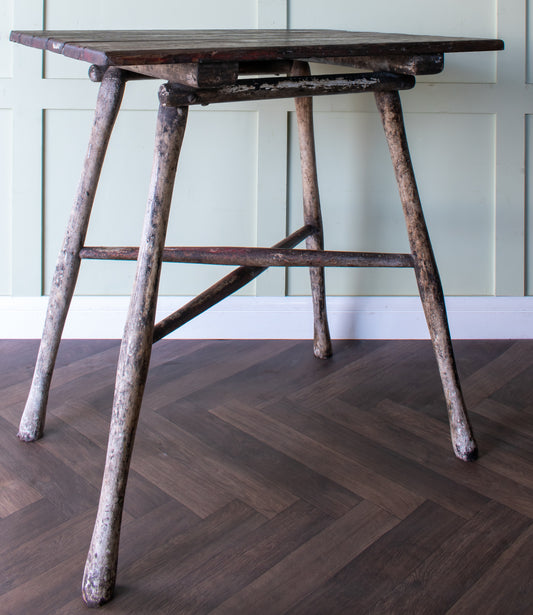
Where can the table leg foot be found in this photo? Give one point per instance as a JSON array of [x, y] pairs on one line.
[[322, 341], [312, 214], [427, 274], [134, 359], [68, 263], [98, 586]]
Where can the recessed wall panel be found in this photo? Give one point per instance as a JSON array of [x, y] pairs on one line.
[[157, 14], [5, 200], [214, 199], [454, 161], [432, 17]]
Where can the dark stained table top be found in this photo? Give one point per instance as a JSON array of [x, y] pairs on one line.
[[137, 47]]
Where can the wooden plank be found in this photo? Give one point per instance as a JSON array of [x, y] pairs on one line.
[[15, 494], [182, 377], [58, 584], [86, 458], [17, 358], [259, 457], [357, 374], [450, 570], [363, 481], [197, 75], [46, 474], [398, 438], [317, 560], [504, 459], [160, 47], [503, 588], [212, 468], [157, 574], [427, 64], [507, 421], [46, 551], [491, 377], [384, 564], [193, 489], [238, 560], [319, 425], [28, 524]]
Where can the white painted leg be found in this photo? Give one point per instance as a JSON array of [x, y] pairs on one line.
[[135, 351], [427, 275], [68, 262]]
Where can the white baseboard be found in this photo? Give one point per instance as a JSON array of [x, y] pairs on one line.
[[283, 318]]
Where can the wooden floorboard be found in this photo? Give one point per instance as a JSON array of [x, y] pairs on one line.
[[267, 482]]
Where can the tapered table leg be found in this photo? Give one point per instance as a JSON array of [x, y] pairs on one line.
[[134, 358], [312, 214], [68, 263], [427, 275]]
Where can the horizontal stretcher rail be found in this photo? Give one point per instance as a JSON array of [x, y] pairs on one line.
[[259, 257], [175, 95]]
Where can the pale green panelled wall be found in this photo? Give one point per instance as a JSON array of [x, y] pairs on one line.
[[469, 129]]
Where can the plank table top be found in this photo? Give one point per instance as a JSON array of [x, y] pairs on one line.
[[151, 47]]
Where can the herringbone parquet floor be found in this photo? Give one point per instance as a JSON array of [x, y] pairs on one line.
[[265, 481]]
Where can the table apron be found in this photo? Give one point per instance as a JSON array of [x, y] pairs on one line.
[[175, 95]]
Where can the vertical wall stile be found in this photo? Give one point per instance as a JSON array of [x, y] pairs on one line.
[[511, 103], [26, 213], [528, 281], [6, 148], [271, 162]]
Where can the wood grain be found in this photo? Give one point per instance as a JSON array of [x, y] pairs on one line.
[[267, 481], [130, 47]]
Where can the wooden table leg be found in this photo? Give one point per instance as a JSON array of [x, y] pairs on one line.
[[312, 214], [68, 263], [134, 358], [427, 275]]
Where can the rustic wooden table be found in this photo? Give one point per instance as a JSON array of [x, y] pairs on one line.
[[203, 67]]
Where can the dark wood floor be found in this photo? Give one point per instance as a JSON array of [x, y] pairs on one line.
[[265, 481]]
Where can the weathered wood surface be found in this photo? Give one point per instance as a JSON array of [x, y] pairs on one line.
[[197, 75], [280, 67], [68, 263], [428, 64], [96, 74], [427, 274], [134, 359], [222, 289], [312, 213], [200, 74], [257, 257], [131, 47], [284, 87]]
